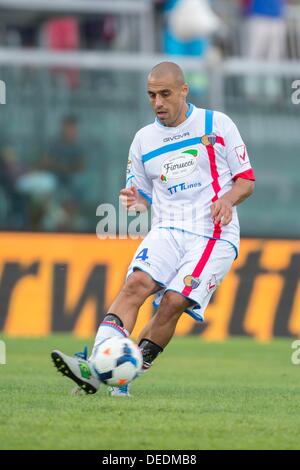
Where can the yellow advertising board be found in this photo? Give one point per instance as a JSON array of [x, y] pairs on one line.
[[66, 283]]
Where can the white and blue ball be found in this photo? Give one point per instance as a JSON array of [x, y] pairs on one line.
[[117, 361]]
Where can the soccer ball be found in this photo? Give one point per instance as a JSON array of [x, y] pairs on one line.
[[117, 361]]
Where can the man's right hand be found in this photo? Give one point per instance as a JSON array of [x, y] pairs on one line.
[[132, 200]]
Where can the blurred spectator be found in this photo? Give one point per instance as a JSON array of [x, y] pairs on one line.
[[99, 33], [265, 39], [188, 29], [65, 156], [189, 26], [22, 36], [63, 34], [37, 189], [11, 171], [65, 160], [173, 45], [21, 30], [266, 28]]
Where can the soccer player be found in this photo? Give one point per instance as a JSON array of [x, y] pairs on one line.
[[192, 166]]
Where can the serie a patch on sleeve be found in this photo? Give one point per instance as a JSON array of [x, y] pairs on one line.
[[242, 154]]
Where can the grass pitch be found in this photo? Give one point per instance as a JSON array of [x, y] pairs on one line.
[[233, 395]]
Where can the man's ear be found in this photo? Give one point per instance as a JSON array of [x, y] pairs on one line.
[[185, 89]]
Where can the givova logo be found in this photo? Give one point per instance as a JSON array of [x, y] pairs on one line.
[[2, 92], [2, 353]]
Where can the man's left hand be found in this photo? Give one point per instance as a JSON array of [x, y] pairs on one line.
[[221, 212]]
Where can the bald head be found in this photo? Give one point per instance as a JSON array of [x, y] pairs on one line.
[[167, 93], [166, 70]]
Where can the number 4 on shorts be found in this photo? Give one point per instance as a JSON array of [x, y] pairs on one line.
[[143, 255]]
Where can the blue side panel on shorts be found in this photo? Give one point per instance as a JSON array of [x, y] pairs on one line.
[[190, 310], [195, 316]]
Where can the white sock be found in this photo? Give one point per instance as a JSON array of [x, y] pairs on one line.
[[106, 330]]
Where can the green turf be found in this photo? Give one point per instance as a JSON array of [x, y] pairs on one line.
[[238, 395]]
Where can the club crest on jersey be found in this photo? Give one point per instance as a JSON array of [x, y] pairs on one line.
[[209, 139], [191, 281], [179, 166]]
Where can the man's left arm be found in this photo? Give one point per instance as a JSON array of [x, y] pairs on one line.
[[242, 175], [221, 210]]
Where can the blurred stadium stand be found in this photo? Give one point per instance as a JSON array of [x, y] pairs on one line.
[[111, 105]]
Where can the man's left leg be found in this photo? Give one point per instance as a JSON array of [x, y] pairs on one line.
[[202, 269], [158, 332]]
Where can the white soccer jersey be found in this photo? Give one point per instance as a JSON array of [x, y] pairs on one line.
[[182, 170]]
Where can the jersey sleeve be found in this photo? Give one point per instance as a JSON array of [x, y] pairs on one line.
[[136, 175], [237, 155]]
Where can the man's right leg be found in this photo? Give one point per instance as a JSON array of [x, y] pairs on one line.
[[153, 266], [122, 314], [119, 321]]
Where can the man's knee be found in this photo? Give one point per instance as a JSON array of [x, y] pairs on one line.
[[140, 284], [173, 304]]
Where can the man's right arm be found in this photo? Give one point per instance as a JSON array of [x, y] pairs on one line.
[[132, 200], [138, 192]]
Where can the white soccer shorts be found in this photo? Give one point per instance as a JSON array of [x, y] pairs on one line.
[[189, 264]]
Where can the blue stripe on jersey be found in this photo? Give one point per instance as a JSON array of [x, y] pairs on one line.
[[128, 179], [190, 110], [145, 196], [170, 148], [209, 117]]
